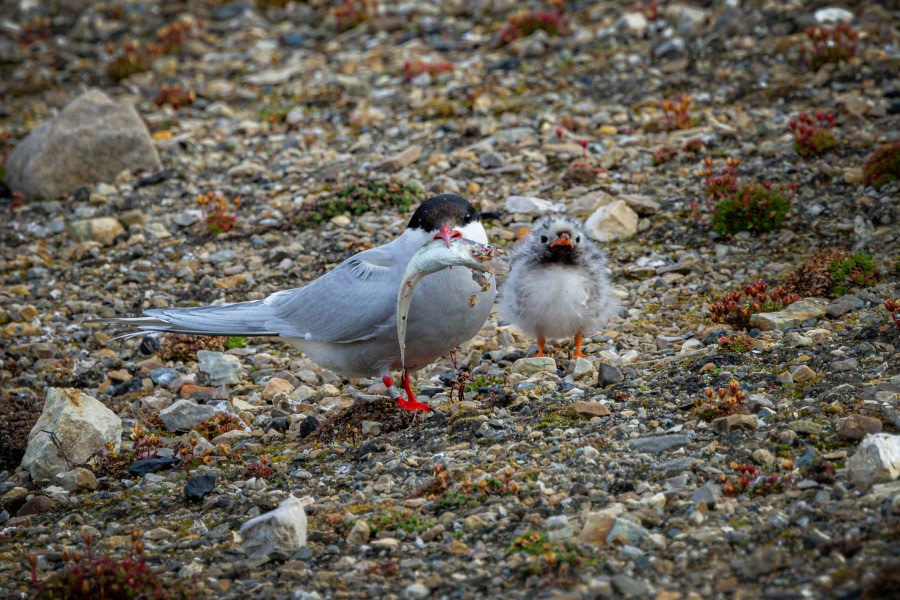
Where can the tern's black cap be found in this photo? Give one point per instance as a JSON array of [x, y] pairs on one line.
[[445, 209]]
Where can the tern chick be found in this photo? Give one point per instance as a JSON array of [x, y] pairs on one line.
[[557, 287]]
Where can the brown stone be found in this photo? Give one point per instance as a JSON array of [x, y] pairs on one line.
[[856, 427], [590, 409], [36, 506]]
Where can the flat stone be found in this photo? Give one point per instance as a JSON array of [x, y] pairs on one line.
[[530, 205], [792, 316], [103, 230], [763, 457], [731, 422], [842, 366], [534, 364], [404, 158], [856, 427], [659, 443], [359, 533], [842, 306], [590, 409], [151, 465], [183, 415], [805, 426], [582, 369]]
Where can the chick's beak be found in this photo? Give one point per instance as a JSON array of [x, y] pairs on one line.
[[564, 239], [447, 234]]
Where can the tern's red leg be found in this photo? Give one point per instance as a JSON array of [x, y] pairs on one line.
[[578, 352], [540, 345], [394, 392], [411, 402]]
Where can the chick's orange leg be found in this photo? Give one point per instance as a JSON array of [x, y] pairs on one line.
[[540, 344], [578, 352]]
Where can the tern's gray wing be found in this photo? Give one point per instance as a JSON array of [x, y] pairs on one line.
[[350, 303]]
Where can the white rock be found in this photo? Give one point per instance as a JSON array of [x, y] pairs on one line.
[[81, 426], [632, 22], [832, 16], [282, 529], [416, 591], [877, 460], [531, 205], [615, 220]]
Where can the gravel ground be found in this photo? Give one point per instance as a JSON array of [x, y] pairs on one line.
[[607, 477]]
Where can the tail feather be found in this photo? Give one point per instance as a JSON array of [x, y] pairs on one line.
[[240, 319]]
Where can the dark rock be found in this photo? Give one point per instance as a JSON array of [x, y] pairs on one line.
[[309, 425], [149, 345], [36, 506], [140, 468], [609, 375], [842, 306], [198, 487], [278, 424]]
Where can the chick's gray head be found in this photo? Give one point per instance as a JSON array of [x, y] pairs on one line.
[[557, 240]]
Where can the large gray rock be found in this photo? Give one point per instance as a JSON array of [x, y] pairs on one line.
[[184, 414], [80, 426], [877, 460], [282, 530], [92, 139]]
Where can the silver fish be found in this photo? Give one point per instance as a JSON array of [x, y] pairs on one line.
[[436, 256]]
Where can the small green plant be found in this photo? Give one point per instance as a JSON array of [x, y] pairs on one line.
[[360, 198], [394, 519], [883, 165], [740, 206], [735, 308], [235, 342], [858, 270], [556, 561], [813, 136], [483, 381], [829, 45], [721, 403], [736, 342], [93, 577]]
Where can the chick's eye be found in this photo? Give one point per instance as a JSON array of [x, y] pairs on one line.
[[544, 239], [578, 239]]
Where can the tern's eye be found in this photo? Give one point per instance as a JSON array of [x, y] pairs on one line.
[[544, 239]]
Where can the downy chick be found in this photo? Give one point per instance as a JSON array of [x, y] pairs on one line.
[[557, 287]]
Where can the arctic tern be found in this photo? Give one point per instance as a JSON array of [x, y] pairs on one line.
[[346, 320]]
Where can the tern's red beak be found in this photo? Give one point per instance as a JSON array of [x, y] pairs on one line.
[[447, 234], [564, 239]]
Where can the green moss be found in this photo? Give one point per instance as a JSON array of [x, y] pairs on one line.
[[358, 199], [235, 342], [753, 207], [562, 417], [858, 270]]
